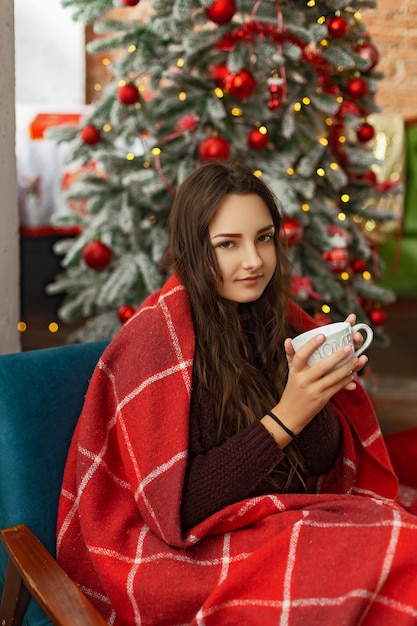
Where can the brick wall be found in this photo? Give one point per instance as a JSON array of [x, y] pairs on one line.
[[393, 28]]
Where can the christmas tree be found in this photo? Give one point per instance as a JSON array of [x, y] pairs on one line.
[[285, 87]]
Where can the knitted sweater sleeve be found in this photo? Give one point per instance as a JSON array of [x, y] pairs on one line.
[[219, 475]]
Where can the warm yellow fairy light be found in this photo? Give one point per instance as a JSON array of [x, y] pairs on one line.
[[357, 16], [290, 171], [321, 19], [263, 130], [339, 99], [21, 327], [370, 225], [98, 87], [342, 216], [321, 172], [122, 83], [297, 106], [311, 3], [345, 197], [236, 112], [106, 128], [345, 275], [182, 96], [258, 173], [323, 141], [329, 121], [146, 164], [305, 207], [334, 166], [342, 139], [219, 92], [141, 88], [130, 156], [156, 151], [306, 101], [366, 275], [324, 43], [105, 61], [53, 327], [325, 308], [132, 48], [180, 62]]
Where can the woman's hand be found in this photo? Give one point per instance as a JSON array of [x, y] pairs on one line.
[[308, 389]]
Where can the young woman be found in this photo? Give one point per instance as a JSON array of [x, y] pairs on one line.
[[215, 478]]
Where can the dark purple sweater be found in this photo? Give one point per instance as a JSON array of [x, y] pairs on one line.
[[219, 475]]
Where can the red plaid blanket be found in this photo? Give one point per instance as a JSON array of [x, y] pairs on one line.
[[346, 556]]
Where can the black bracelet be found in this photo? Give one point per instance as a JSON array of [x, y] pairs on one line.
[[278, 421]]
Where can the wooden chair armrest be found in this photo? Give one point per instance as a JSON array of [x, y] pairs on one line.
[[45, 580]]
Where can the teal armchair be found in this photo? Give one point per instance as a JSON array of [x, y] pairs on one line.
[[41, 396]]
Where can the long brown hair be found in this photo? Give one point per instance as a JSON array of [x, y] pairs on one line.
[[244, 377]]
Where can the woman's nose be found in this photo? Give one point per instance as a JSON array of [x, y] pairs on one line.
[[251, 258]]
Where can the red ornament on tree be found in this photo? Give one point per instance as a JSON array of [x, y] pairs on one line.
[[240, 85], [214, 148], [258, 138], [337, 258], [356, 87], [125, 312], [365, 132], [221, 11], [337, 26], [219, 74], [90, 135], [368, 52], [128, 94], [378, 317], [97, 255], [359, 266], [293, 231], [130, 3], [276, 88]]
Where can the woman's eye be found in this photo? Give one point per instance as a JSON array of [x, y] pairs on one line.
[[226, 245], [264, 238]]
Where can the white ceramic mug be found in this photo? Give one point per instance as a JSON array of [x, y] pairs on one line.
[[338, 335]]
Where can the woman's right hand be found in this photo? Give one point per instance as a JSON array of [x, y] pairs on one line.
[[308, 389]]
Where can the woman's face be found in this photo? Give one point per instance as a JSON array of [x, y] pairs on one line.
[[242, 235]]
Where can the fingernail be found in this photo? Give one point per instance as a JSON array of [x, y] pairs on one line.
[[319, 338], [347, 349]]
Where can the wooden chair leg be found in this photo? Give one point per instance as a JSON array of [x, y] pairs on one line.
[[15, 598]]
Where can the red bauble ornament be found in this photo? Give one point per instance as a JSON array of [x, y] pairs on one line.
[[130, 3], [257, 140], [214, 148], [365, 132], [219, 74], [240, 85], [293, 231], [337, 258], [378, 317], [128, 94], [221, 11], [97, 255], [348, 108], [337, 26], [90, 135], [125, 312], [368, 52], [359, 266], [356, 87]]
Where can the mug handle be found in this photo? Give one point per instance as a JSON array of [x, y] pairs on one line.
[[369, 336]]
